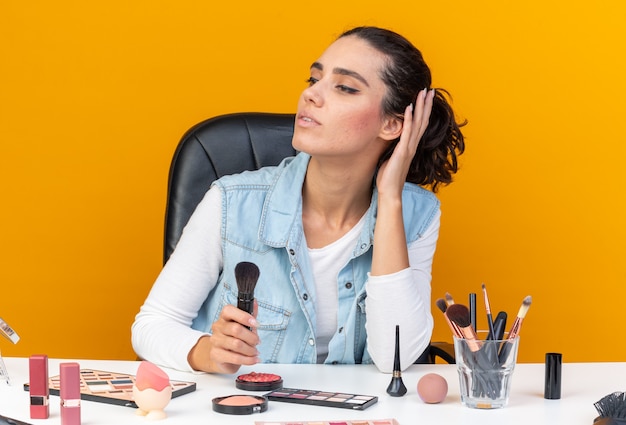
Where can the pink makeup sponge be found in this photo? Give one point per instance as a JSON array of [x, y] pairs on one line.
[[432, 388], [151, 376]]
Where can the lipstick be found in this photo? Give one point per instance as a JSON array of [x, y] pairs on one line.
[[70, 393], [38, 388]]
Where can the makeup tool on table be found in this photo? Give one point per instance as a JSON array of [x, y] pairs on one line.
[[112, 387], [240, 404], [472, 309], [39, 392], [492, 332], [432, 388], [499, 324], [322, 398], [334, 422], [246, 275], [70, 393], [441, 304], [515, 328], [459, 315], [7, 332], [254, 381], [152, 391], [612, 409], [4, 373], [552, 376], [483, 359], [396, 387]]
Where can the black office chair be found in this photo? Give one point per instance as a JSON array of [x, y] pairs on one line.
[[230, 144]]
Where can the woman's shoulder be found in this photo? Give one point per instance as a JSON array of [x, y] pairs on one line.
[[416, 193], [263, 176]]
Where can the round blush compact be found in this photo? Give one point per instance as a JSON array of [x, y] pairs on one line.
[[259, 382], [240, 404]]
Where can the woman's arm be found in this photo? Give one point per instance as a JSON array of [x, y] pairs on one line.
[[162, 330], [406, 276], [402, 298]]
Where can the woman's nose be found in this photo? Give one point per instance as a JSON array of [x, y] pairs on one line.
[[312, 94]]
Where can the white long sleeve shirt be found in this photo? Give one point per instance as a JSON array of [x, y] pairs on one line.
[[162, 329]]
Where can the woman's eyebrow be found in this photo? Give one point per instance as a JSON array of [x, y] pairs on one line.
[[341, 71]]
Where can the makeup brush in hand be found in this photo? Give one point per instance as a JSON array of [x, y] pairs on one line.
[[246, 275]]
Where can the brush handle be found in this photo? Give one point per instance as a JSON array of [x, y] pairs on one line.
[[499, 324], [245, 302], [472, 309]]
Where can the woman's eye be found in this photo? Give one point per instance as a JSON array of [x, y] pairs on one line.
[[347, 89], [311, 81]]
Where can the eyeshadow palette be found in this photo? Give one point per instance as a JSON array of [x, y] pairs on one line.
[[322, 398], [346, 422], [112, 387]]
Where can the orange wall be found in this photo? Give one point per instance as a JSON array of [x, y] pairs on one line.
[[95, 95]]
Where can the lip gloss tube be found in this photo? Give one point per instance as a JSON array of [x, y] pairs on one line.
[[38, 388], [70, 393]]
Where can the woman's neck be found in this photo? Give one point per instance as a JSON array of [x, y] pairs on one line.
[[333, 200]]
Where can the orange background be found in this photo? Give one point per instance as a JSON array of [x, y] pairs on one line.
[[94, 97]]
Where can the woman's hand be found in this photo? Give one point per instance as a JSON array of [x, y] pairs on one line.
[[392, 173], [390, 250], [231, 345]]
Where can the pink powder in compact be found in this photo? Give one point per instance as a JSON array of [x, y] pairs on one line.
[[239, 400]]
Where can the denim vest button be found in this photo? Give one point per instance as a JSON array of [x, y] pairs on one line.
[[341, 329], [363, 245], [349, 285], [305, 297], [292, 252], [335, 362], [311, 341]]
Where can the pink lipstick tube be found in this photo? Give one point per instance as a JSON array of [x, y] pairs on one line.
[[70, 393], [38, 386]]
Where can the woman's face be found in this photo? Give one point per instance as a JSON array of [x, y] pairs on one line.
[[340, 112]]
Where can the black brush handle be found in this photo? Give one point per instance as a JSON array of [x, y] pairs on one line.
[[472, 309], [499, 325], [245, 302]]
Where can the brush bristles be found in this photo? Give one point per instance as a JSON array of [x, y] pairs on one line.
[[441, 305], [246, 275], [459, 314], [487, 307], [525, 306], [449, 299], [612, 406]]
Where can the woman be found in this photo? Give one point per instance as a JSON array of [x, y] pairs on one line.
[[343, 234]]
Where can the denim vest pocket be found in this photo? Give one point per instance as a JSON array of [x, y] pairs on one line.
[[272, 319]]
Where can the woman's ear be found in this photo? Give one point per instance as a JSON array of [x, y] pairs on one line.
[[392, 128]]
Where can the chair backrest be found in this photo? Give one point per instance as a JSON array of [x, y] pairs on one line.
[[230, 144], [226, 144]]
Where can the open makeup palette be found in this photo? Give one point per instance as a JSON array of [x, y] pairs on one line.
[[112, 387]]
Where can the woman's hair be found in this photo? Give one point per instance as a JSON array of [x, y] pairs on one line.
[[405, 75]]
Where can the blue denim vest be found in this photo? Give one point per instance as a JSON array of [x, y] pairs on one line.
[[262, 224]]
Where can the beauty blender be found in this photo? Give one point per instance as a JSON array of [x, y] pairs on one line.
[[432, 388], [152, 391]]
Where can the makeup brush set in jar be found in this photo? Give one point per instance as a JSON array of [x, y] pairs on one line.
[[485, 364]]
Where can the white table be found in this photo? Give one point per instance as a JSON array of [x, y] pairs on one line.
[[583, 384]]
